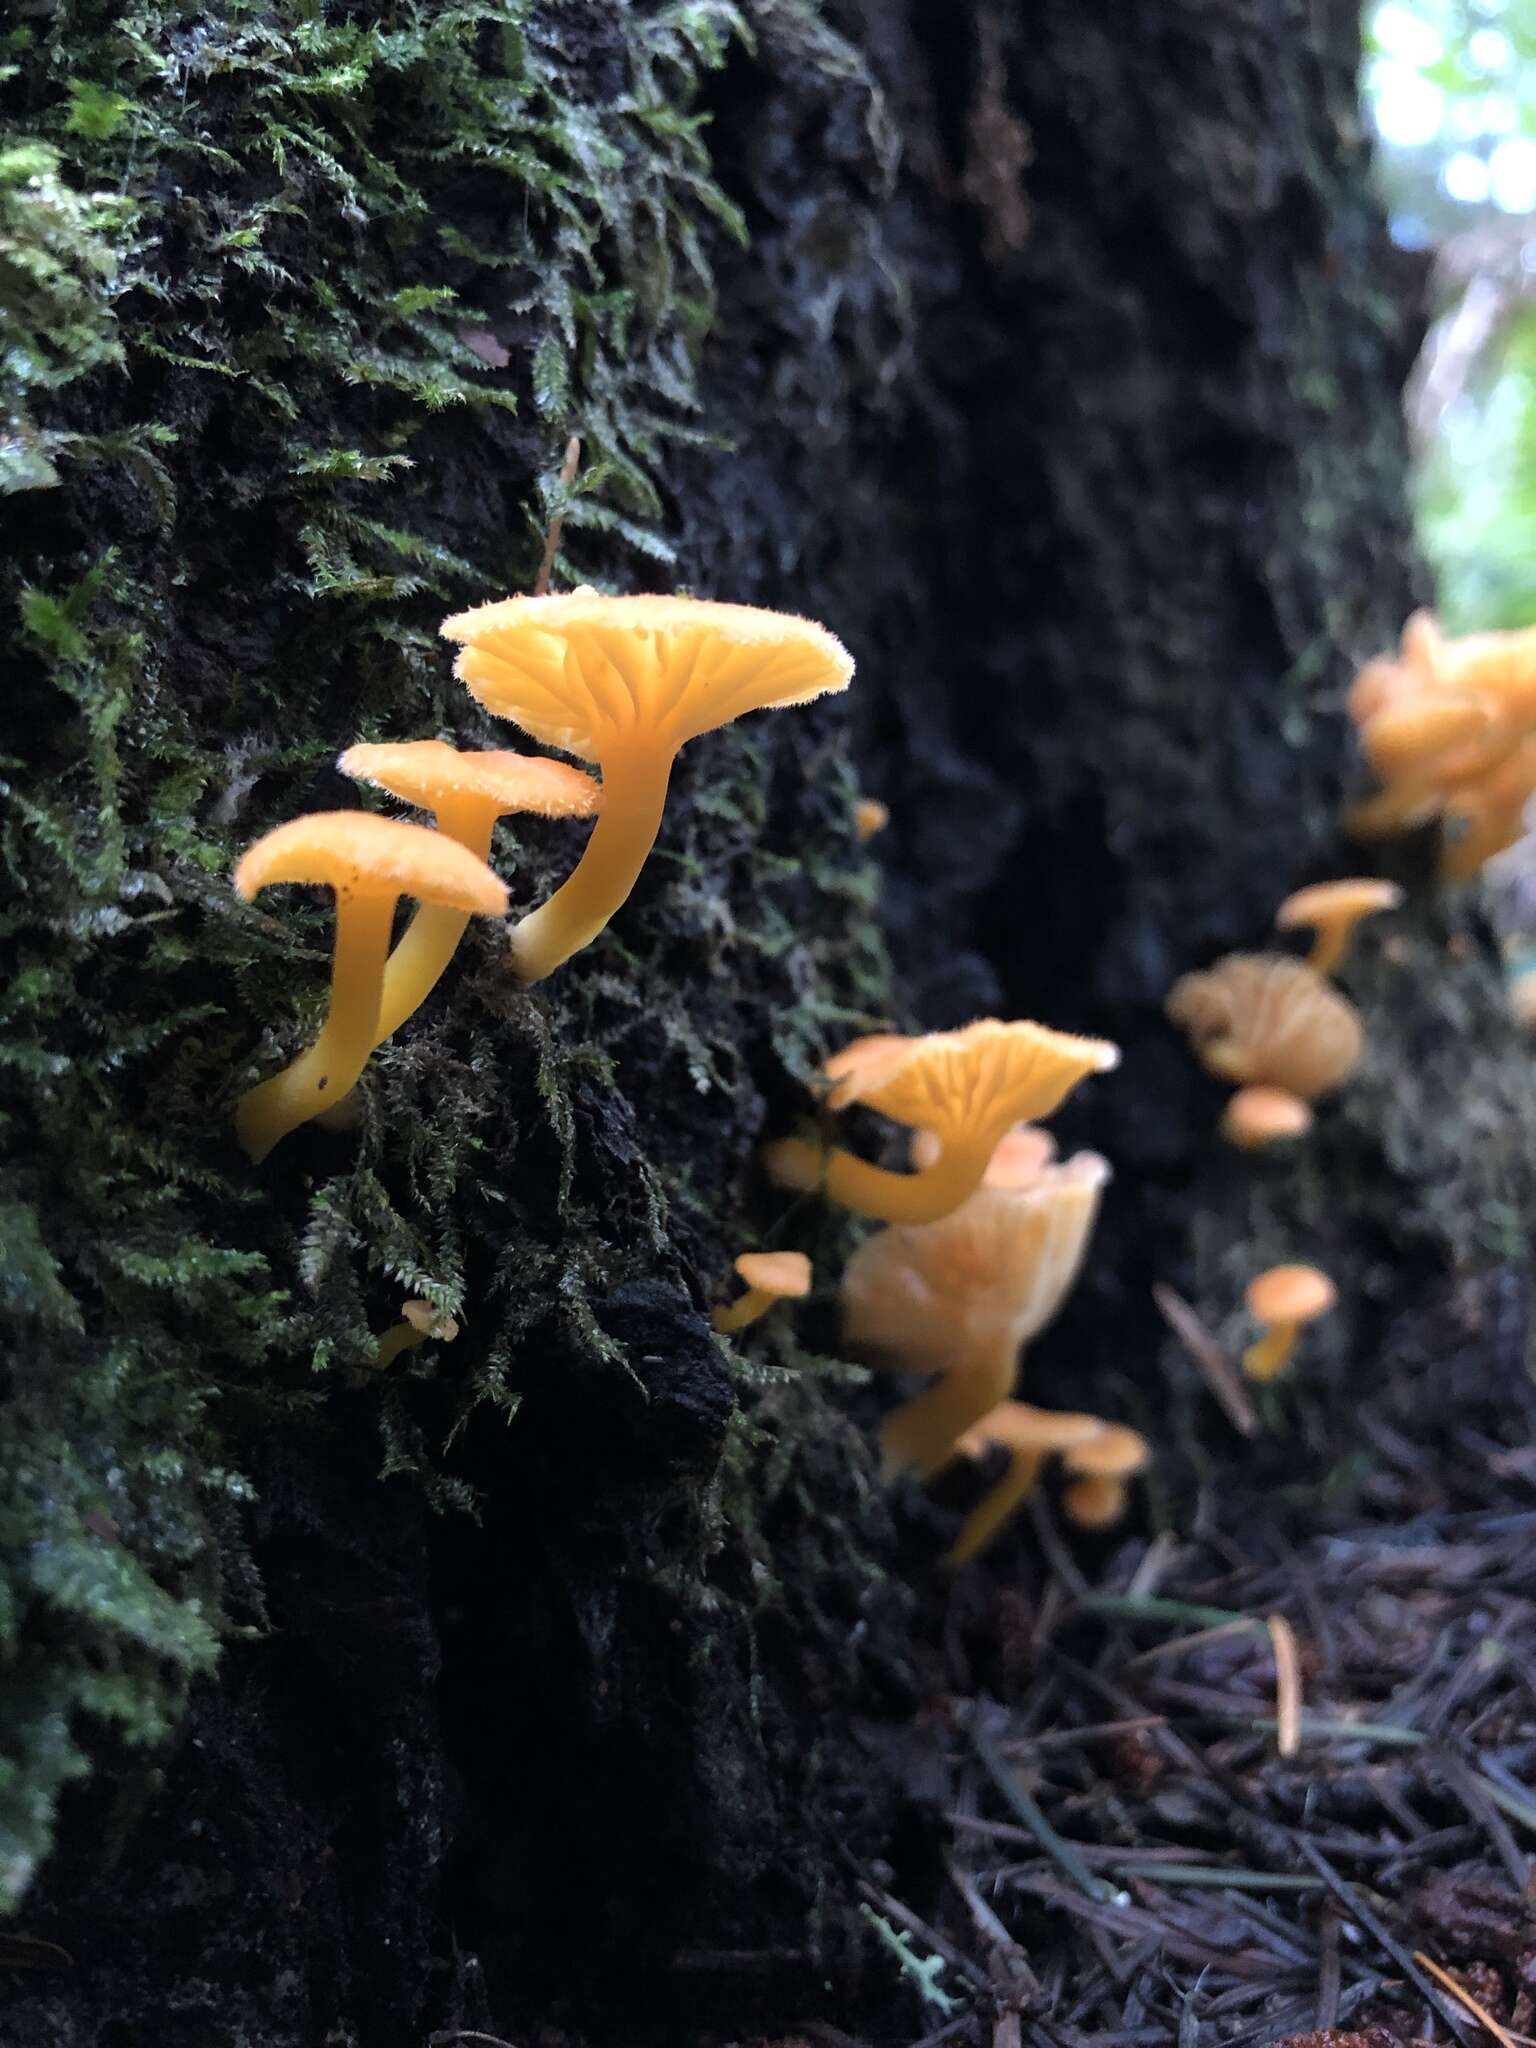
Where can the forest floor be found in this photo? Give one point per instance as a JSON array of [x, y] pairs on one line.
[[1269, 1777]]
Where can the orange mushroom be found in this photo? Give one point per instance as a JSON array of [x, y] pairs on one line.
[[467, 792], [1283, 1300], [370, 863], [1332, 910], [419, 1321], [770, 1277], [1098, 1493], [1030, 1436], [625, 682], [960, 1297], [870, 816], [966, 1088], [1263, 1018], [1256, 1117]]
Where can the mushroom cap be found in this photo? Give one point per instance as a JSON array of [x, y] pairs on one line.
[[990, 1275], [1263, 1017], [430, 773], [1115, 1452], [870, 1051], [958, 1084], [358, 854], [1337, 903], [1407, 736], [1019, 1157], [785, 1275], [1263, 1116], [421, 1315], [1422, 646], [1380, 684], [586, 673], [869, 817], [1290, 1294], [1019, 1427]]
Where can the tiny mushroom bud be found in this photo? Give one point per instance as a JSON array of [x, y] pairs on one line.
[[1282, 1300], [965, 1088], [420, 1320], [370, 863], [960, 1297], [869, 817], [1332, 910], [1262, 1017], [468, 792], [1029, 1435], [625, 682], [1101, 1466], [770, 1277], [1256, 1117]]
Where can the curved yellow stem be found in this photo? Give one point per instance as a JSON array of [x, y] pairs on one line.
[[744, 1310], [634, 797], [322, 1075], [1329, 947], [920, 1436], [403, 1337], [1268, 1358], [429, 943], [876, 1191], [997, 1506]]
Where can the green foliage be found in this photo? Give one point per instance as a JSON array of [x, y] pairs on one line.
[[57, 256], [297, 387]]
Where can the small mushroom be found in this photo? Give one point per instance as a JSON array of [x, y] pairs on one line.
[[770, 1277], [1256, 1117], [869, 817], [1097, 1496], [1332, 910], [965, 1088], [1283, 1300], [467, 792], [960, 1298], [419, 1321], [1029, 1435], [370, 863], [625, 682], [1265, 1018]]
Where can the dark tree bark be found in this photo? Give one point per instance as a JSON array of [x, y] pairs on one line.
[[1059, 376]]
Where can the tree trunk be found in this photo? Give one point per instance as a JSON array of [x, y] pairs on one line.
[[569, 1677]]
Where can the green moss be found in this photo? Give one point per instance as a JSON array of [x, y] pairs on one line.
[[300, 384]]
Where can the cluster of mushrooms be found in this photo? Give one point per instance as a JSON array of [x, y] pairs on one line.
[[1277, 1028], [987, 1229], [1449, 729], [983, 1238]]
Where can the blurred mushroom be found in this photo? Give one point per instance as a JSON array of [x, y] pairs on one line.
[[1256, 1117], [1282, 1301], [1263, 1018], [770, 1277], [1332, 910]]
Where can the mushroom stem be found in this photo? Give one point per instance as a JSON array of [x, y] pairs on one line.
[[996, 1507], [920, 1436], [324, 1074], [432, 937], [634, 797], [1268, 1357], [744, 1310], [429, 942], [1094, 1501], [1330, 945], [403, 1336], [841, 1177]]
